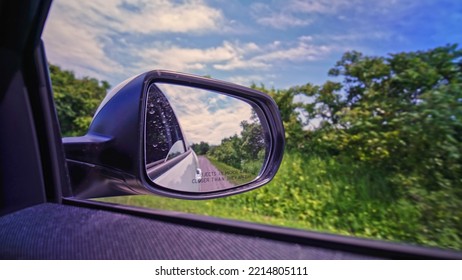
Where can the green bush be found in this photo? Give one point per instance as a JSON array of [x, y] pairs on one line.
[[325, 194]]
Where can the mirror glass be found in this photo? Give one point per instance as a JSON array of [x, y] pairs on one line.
[[199, 140]]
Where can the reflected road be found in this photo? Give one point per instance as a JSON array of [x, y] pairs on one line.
[[212, 180]]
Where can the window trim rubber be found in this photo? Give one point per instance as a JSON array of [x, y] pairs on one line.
[[356, 245]]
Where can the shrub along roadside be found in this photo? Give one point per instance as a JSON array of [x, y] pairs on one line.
[[331, 196], [325, 194]]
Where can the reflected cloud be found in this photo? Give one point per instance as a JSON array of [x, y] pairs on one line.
[[204, 115]]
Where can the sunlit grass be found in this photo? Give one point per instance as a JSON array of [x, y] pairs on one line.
[[324, 195]]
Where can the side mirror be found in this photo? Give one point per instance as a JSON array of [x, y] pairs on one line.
[[177, 135]]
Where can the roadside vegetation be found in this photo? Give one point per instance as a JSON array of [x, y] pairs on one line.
[[244, 153], [232, 174], [76, 99], [376, 152]]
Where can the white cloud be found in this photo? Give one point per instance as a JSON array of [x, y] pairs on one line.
[[300, 52], [89, 49], [142, 16], [265, 15], [248, 80], [79, 49], [206, 116], [241, 63], [294, 13], [108, 38], [228, 56], [283, 20], [175, 57], [297, 13], [277, 52], [78, 33], [306, 38], [168, 16], [319, 6]]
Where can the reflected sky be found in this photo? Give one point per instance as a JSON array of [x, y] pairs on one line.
[[205, 115]]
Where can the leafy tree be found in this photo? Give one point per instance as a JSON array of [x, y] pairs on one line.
[[229, 151], [402, 112], [253, 141], [201, 149], [76, 99], [290, 115], [402, 116], [242, 151]]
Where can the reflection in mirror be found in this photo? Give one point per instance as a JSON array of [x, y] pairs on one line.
[[199, 140]]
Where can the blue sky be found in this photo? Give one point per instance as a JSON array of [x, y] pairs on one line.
[[278, 43]]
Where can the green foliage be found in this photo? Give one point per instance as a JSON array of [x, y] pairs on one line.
[[229, 151], [354, 199], [244, 150], [237, 176], [384, 156], [323, 194], [201, 149], [376, 153], [253, 142], [296, 139], [76, 100], [402, 114]]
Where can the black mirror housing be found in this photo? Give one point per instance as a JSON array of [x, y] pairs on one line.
[[110, 159]]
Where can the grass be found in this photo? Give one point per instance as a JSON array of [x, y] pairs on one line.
[[235, 176], [201, 207], [321, 194]]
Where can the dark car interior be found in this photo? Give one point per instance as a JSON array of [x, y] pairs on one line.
[[40, 218]]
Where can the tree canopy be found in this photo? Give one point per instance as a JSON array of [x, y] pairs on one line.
[[76, 99], [402, 112]]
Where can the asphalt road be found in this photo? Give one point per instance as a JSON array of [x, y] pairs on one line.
[[212, 179]]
